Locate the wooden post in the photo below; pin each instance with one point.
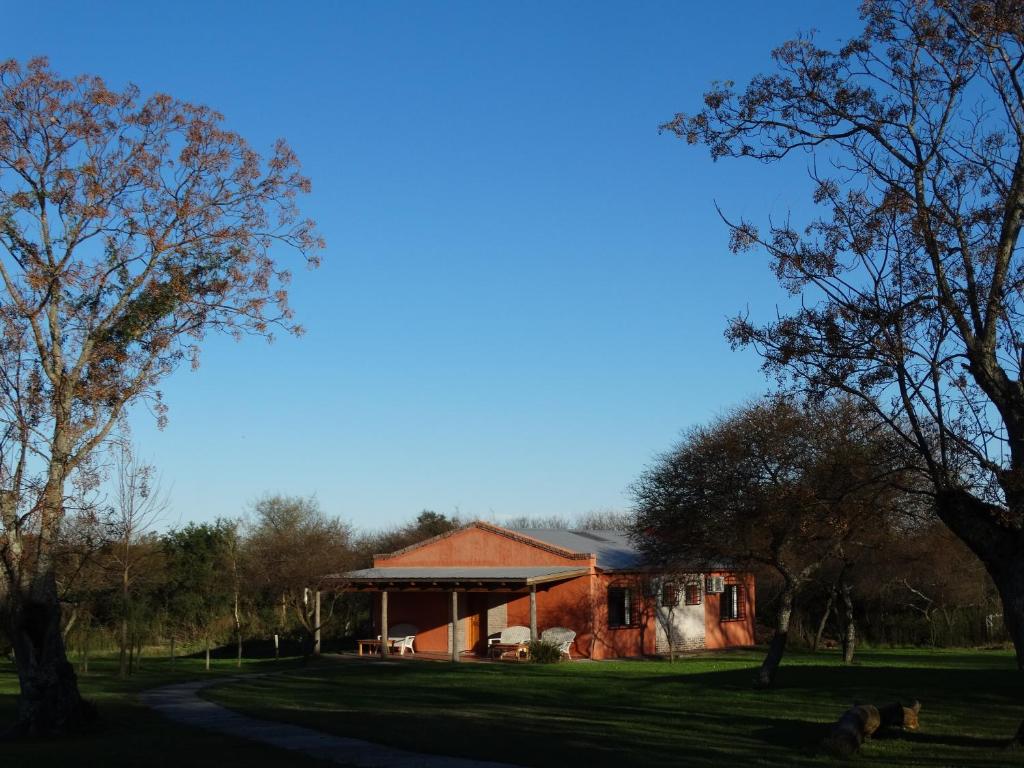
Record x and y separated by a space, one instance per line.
533 613
384 623
316 624
455 625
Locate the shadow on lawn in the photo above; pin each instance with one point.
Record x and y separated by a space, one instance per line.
869 683
606 716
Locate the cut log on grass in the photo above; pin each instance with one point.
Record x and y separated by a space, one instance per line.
861 721
853 726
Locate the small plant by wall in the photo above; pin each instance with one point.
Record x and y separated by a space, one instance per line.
544 653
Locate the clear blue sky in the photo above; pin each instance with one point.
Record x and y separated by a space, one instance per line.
525 287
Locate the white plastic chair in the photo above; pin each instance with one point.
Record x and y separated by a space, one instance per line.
402 637
561 637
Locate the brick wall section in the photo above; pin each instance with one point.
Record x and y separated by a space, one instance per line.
497 614
681 644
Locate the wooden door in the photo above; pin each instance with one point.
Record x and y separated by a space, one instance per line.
476 621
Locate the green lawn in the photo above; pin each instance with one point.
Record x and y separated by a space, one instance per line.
696 712
129 734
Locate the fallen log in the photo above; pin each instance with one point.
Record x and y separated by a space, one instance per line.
862 721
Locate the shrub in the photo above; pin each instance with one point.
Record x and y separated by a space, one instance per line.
544 653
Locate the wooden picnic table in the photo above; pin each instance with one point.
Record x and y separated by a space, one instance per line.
517 651
373 644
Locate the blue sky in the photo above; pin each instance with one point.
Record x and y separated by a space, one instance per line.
525 287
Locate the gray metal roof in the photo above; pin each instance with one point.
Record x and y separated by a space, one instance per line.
525 575
614 550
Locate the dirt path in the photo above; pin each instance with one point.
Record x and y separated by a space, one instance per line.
181 702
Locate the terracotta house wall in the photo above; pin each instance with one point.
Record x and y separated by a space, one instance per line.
474 547
610 643
427 611
724 634
565 604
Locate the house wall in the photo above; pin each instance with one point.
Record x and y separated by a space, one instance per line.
497 614
681 626
564 604
580 604
616 642
427 611
474 547
726 634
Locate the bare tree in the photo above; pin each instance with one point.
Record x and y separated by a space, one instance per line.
139 504
912 278
129 229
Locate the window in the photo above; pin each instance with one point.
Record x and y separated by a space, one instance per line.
693 595
622 608
669 595
733 605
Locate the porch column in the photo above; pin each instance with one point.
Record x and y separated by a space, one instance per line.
455 626
316 624
533 613
384 623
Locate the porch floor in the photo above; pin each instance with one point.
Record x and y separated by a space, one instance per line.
428 656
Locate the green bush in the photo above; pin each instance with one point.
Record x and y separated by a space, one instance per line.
544 653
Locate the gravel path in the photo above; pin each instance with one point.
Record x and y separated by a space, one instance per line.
181 702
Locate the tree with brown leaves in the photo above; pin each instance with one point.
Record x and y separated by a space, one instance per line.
912 278
130 228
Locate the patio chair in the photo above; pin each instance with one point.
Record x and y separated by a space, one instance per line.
402 636
561 637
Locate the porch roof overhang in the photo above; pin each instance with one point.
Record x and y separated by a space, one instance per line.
502 579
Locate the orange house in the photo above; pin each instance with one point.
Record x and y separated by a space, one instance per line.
473 582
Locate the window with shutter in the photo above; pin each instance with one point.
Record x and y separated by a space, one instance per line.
693 594
622 608
733 603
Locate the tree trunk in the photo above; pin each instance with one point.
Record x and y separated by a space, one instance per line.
849 628
172 650
207 654
238 628
124 662
122 645
49 701
671 636
999 547
770 666
824 619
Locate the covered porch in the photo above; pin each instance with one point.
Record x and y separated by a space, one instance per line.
454 610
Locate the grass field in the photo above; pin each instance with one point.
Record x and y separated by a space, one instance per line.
128 734
696 712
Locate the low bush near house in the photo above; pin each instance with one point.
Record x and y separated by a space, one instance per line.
544 653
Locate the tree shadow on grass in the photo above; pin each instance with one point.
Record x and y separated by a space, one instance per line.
800 735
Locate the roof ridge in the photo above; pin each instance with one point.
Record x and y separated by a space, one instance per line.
496 529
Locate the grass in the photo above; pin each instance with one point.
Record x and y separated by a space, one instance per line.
129 734
697 712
